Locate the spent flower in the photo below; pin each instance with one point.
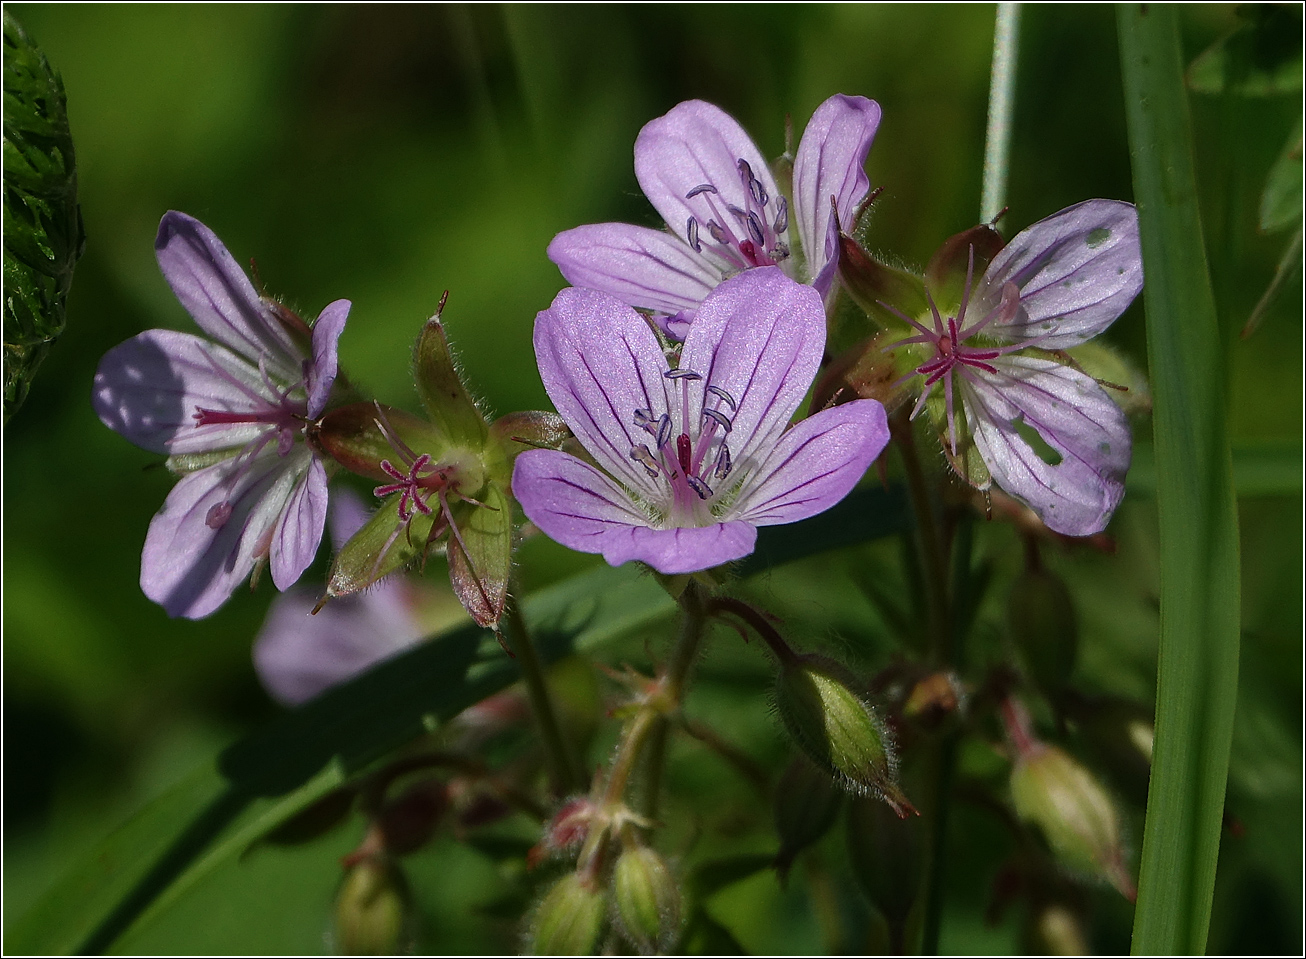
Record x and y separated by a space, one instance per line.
231 412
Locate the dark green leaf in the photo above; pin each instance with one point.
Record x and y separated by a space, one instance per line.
1281 201
1261 57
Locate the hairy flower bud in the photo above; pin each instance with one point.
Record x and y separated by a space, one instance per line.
1043 624
837 728
1073 811
371 914
647 899
569 919
806 804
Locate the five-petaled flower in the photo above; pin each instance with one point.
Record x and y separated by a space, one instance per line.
699 455
1056 285
724 211
231 416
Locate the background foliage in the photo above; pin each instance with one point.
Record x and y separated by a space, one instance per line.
385 154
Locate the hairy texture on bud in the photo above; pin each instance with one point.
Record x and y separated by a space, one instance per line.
647 899
1044 627
568 920
806 805
371 914
1074 813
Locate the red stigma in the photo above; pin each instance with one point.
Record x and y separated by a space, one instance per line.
684 450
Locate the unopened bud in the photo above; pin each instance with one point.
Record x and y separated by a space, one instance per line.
1074 812
647 899
372 915
1044 627
806 804
1054 929
837 728
569 919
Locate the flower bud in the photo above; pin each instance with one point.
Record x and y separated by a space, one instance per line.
1055 929
1074 812
647 899
806 804
837 729
569 919
371 914
873 284
1043 624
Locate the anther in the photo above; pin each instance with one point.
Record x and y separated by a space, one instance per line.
218 515
664 430
745 172
641 455
720 418
781 215
722 463
717 232
682 374
691 231
755 228
723 396
701 188
698 486
644 419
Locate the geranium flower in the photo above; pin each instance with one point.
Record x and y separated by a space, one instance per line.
693 458
1056 285
231 416
723 209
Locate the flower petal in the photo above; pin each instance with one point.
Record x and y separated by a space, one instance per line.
191 568
830 163
149 388
1074 416
217 293
681 549
326 338
759 336
815 464
1077 271
692 145
571 501
299 527
600 362
646 269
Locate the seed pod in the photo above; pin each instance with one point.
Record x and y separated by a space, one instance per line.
1073 811
806 804
647 899
1044 627
569 919
372 915
837 729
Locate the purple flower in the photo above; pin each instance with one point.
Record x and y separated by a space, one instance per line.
697 456
231 416
298 655
724 211
1056 285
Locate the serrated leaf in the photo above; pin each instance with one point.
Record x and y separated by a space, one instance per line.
43 232
1282 199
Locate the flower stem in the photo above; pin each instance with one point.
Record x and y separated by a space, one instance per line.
1002 99
563 774
929 540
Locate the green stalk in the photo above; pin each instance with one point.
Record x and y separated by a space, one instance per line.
1002 102
1197 668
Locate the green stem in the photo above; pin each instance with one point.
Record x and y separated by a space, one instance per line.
934 567
563 774
1002 100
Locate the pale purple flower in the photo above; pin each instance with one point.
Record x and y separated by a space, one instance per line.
231 416
723 209
693 458
1056 285
298 656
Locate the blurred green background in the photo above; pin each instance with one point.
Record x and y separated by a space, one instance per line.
387 153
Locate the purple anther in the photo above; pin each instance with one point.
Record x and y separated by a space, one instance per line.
641 455
758 192
719 417
722 463
755 229
723 396
218 515
644 420
737 213
691 233
701 188
781 215
717 232
664 430
698 486
682 374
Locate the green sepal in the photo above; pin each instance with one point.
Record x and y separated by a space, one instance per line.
516 433
352 437
479 575
441 389
874 285
382 546
945 275
1119 376
373 912
646 898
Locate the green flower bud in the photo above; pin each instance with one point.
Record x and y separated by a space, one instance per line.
1054 929
447 401
1073 811
837 728
647 899
569 919
806 804
372 916
1044 626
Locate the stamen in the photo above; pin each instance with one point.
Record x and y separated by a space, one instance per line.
641 455
218 515
698 486
759 192
745 172
718 234
682 374
781 216
780 252
691 230
701 188
755 229
723 396
722 463
644 419
664 430
720 418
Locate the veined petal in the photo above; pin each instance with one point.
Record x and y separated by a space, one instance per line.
681 549
646 269
299 526
326 338
692 145
191 568
1073 415
815 464
830 163
571 501
1077 271
600 362
217 293
759 336
149 388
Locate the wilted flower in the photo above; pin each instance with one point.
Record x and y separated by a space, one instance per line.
231 416
697 456
1056 285
711 185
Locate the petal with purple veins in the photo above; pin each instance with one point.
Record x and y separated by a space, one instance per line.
326 363
571 501
681 549
299 526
